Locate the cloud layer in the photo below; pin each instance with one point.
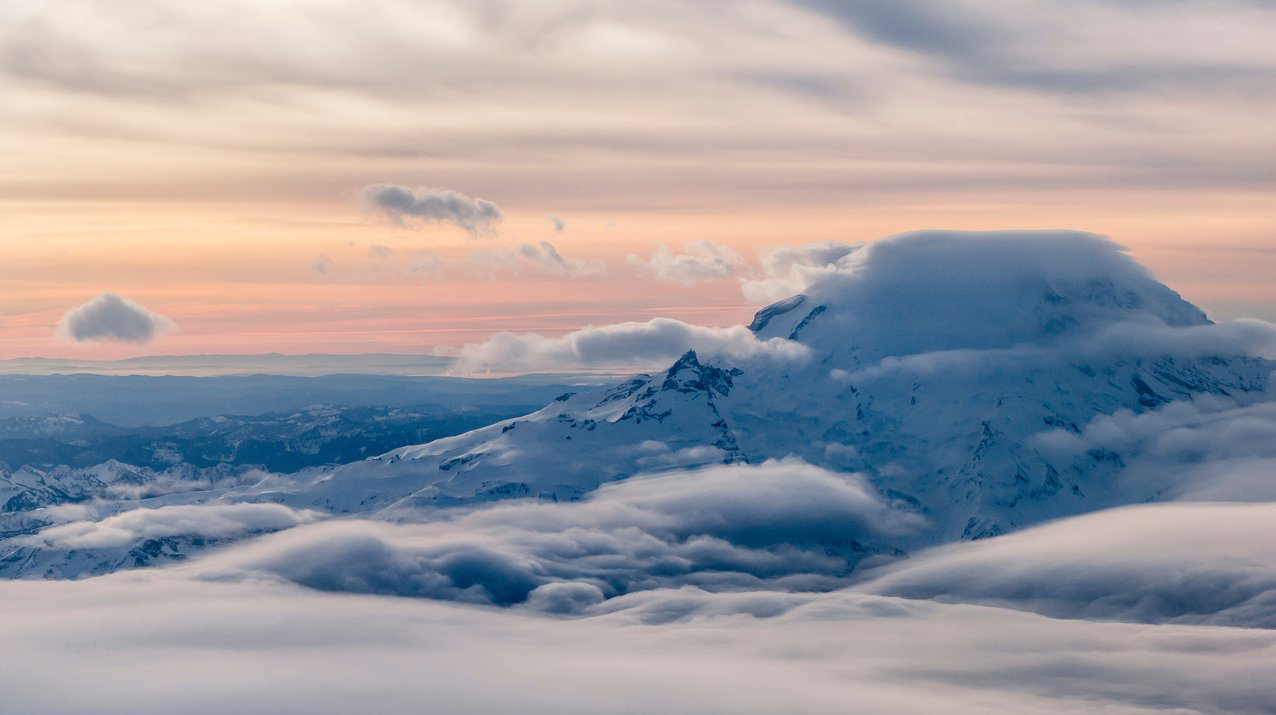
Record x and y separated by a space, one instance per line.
785 524
756 111
743 140
111 318
1208 449
1169 563
679 586
265 647
930 291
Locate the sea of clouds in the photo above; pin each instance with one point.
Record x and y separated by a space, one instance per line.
1176 602
726 589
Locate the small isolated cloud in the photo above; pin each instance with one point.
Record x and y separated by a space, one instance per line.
788 271
379 251
544 255
558 224
111 318
703 261
432 205
626 345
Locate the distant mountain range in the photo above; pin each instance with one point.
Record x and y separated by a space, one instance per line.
252 364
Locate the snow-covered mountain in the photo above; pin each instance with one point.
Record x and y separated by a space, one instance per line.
945 368
930 365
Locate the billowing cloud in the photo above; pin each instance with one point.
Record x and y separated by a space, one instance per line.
948 290
431 205
265 646
656 342
545 256
789 270
784 523
1210 448
211 521
1177 563
747 126
693 577
1116 341
702 261
111 318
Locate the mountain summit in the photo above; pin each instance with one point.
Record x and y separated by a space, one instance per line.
934 362
944 290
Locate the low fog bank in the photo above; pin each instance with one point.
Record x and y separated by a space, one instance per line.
784 527
140 641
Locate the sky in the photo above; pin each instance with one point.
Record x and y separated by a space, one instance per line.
413 177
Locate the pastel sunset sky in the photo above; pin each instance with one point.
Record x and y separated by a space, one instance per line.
232 165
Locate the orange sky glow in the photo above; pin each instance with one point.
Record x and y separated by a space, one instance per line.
209 162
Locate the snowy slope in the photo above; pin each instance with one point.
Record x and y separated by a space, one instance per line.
649 423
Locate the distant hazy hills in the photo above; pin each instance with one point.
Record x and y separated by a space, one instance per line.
264 364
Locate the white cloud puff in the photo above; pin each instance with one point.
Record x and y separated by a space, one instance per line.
789 270
112 318
702 261
622 345
401 204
